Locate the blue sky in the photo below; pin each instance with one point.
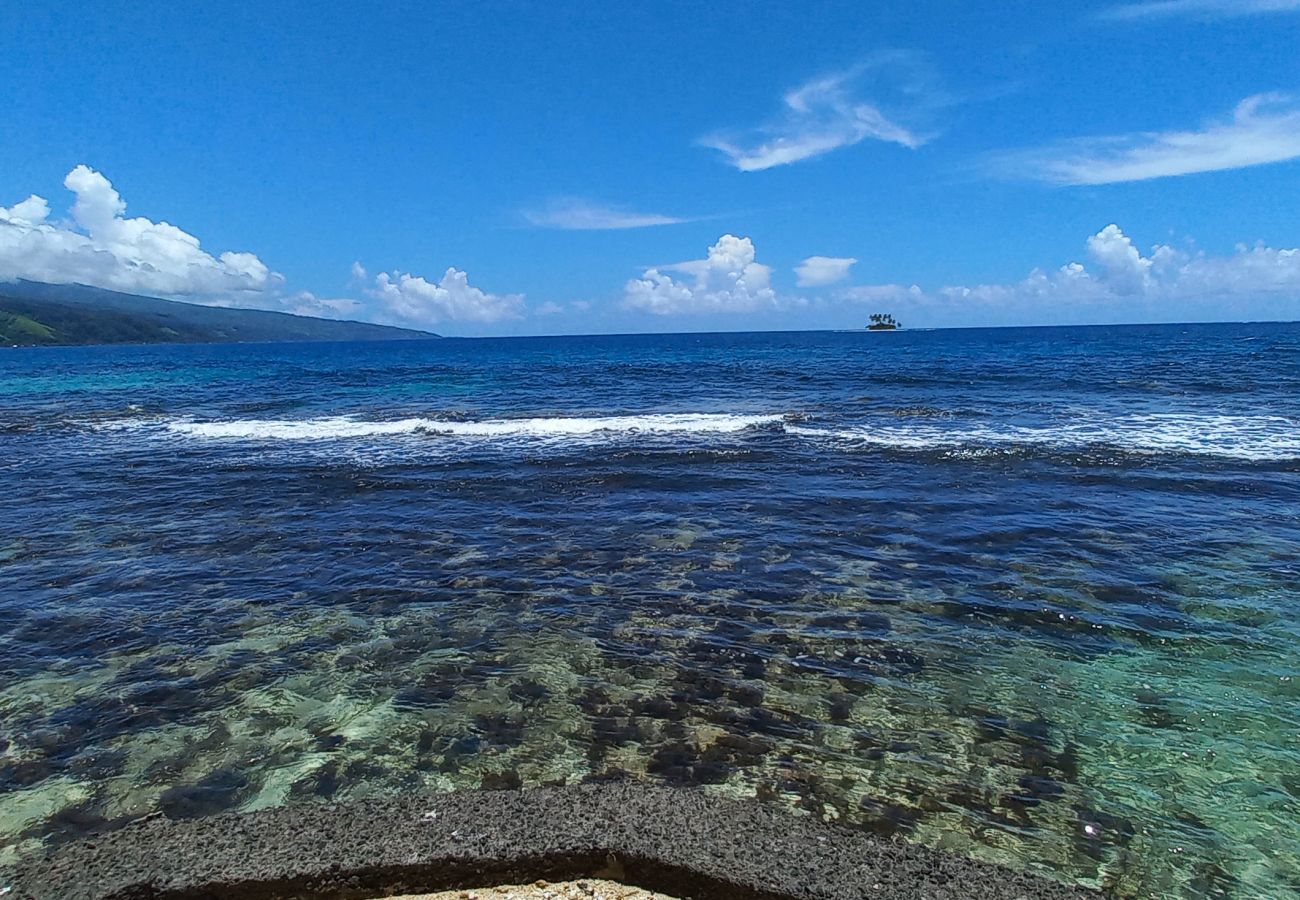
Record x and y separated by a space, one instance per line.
661 166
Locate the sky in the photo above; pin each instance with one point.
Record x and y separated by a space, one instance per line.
500 168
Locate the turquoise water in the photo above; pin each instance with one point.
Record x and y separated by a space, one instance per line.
1025 594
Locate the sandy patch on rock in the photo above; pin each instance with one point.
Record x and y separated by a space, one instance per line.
585 889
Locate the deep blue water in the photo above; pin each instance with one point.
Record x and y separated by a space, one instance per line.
1028 594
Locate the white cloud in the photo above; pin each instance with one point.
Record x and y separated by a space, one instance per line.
101 247
816 271
305 303
412 299
552 308
1124 269
574 214
824 115
1123 276
30 212
728 280
880 293
1263 129
1168 9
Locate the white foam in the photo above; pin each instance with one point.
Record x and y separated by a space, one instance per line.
331 428
337 427
1260 438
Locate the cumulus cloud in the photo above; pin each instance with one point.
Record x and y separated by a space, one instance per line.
574 214
1122 266
98 245
825 114
1169 9
412 299
1262 129
1121 274
30 212
727 280
817 271
101 247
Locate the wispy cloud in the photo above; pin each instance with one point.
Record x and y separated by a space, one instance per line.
576 214
1168 9
1262 129
827 114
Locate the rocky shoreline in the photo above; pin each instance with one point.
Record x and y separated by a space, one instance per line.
679 841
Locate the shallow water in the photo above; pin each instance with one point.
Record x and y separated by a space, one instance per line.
1027 594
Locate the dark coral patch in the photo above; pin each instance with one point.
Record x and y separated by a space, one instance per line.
502 729
502 781
219 790
529 691
887 818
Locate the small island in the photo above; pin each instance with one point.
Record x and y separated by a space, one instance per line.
883 322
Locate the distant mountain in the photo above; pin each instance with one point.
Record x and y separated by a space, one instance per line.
33 314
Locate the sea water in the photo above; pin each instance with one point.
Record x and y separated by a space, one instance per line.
1031 595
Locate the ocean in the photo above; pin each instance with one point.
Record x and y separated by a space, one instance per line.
1029 595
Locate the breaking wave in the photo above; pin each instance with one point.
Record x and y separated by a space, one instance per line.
1259 438
1256 438
539 428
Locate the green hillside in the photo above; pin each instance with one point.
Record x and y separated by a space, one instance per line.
33 314
19 329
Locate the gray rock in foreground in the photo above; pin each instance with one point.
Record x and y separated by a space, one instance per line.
675 840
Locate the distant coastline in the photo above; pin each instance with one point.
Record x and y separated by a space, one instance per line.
35 314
